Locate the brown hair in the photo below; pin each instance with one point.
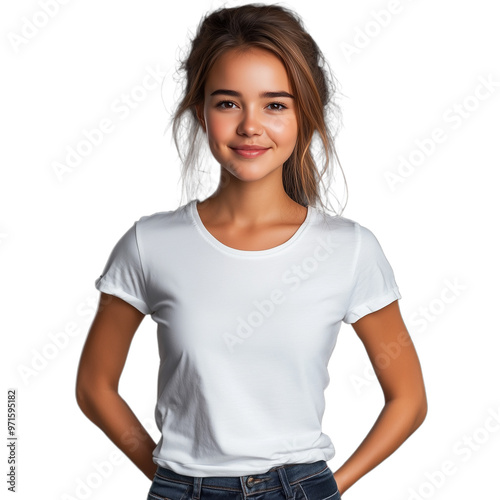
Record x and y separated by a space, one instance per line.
281 31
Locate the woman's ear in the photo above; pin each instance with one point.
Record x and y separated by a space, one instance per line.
200 115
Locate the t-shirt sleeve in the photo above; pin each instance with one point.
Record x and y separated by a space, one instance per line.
373 285
123 274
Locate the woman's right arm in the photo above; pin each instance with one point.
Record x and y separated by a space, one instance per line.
101 364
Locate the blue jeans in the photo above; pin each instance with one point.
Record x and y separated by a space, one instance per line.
312 481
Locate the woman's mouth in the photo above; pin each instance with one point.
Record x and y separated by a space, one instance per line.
250 153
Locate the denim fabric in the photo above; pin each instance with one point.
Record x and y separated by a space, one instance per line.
312 481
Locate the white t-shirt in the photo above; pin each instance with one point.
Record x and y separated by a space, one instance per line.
245 336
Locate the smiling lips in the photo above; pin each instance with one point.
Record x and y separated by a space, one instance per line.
250 151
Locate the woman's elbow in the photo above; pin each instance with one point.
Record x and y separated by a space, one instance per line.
89 391
420 412
83 395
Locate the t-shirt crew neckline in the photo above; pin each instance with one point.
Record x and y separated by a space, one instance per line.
246 253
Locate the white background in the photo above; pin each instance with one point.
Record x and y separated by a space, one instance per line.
418 67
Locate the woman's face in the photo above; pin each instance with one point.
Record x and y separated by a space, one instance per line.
249 102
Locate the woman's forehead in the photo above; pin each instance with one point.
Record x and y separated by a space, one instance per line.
254 70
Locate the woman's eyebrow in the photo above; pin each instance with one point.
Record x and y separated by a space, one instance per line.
267 95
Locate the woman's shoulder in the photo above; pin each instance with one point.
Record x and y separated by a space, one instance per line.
336 221
342 226
163 218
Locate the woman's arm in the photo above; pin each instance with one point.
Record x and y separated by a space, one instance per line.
394 359
99 371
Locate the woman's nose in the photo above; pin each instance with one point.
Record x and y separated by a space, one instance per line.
250 123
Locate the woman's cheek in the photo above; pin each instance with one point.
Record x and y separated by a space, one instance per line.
284 128
214 124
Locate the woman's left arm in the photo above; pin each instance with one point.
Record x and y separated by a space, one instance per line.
396 365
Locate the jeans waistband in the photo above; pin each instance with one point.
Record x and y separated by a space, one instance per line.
276 477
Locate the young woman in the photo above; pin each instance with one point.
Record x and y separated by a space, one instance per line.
249 287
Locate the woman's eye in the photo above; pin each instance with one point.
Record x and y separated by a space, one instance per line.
277 104
221 104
